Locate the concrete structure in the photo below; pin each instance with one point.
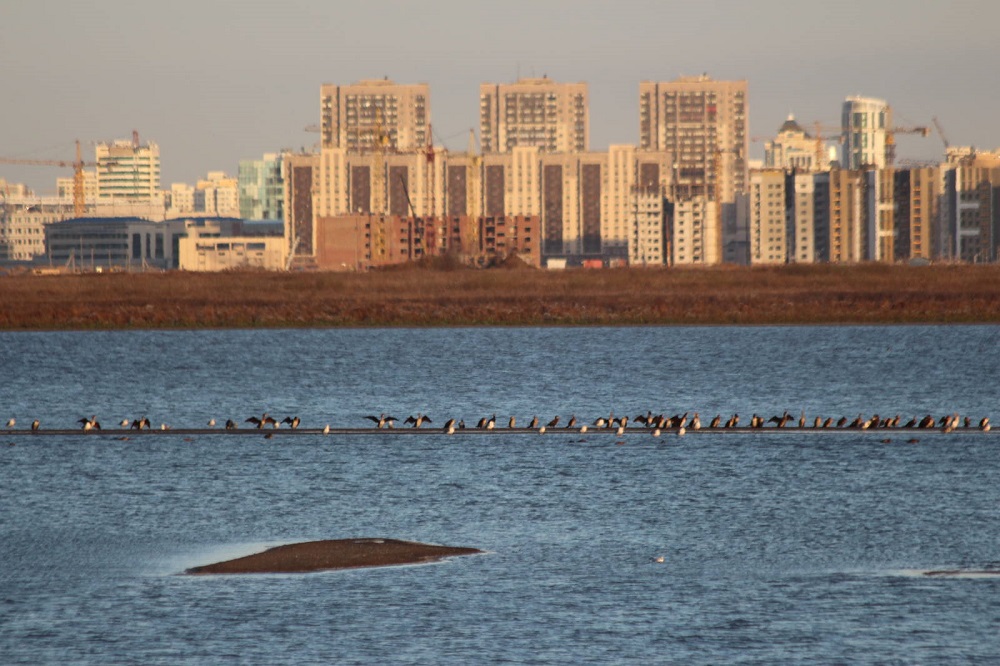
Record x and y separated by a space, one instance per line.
768 222
703 124
22 225
360 242
535 113
217 195
971 227
917 195
127 171
879 230
793 148
844 217
262 188
586 201
301 183
692 229
864 121
352 116
130 243
803 194
64 188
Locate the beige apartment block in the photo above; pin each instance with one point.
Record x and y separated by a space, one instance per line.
803 218
970 185
845 219
127 171
703 123
534 112
917 194
693 230
64 187
768 223
880 206
217 195
363 115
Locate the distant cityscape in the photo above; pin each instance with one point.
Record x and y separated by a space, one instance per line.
375 190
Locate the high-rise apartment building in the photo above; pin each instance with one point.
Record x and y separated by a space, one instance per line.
127 170
534 112
917 193
357 117
864 121
703 123
768 222
262 188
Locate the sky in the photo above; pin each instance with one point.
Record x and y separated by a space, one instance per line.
216 81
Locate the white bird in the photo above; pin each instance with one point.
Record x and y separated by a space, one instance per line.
211 423
10 423
583 428
326 429
124 423
35 425
541 431
681 431
656 432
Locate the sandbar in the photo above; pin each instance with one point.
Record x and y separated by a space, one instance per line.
334 554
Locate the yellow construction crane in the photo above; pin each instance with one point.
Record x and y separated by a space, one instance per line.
79 207
891 130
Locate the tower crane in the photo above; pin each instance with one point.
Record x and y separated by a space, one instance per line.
891 130
78 165
940 131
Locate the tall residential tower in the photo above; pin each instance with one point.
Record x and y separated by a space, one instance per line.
535 113
703 123
352 116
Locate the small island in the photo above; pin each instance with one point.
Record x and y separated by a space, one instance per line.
334 554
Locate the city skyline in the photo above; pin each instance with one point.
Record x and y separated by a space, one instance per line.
231 98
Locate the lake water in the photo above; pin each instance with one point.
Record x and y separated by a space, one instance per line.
778 548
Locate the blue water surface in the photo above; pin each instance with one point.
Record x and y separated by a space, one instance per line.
778 548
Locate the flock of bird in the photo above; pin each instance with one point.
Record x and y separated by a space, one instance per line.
679 423
687 421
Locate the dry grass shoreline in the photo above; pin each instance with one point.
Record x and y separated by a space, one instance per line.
421 297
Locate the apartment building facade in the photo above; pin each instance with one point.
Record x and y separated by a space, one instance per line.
534 113
361 116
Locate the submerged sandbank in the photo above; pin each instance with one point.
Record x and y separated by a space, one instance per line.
334 554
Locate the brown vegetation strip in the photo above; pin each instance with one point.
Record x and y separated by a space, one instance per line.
825 294
334 554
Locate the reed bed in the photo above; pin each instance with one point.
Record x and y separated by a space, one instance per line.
420 296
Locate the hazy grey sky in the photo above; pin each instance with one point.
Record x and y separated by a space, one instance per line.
216 81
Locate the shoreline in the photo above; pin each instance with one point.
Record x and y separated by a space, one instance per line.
413 297
334 554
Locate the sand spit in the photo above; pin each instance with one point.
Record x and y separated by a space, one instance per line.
334 554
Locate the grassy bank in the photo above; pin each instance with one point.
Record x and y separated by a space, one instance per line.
424 297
